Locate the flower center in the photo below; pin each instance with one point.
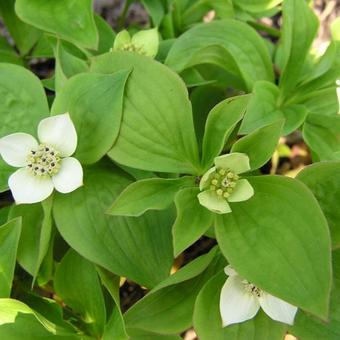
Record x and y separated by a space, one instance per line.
252 289
133 48
223 182
45 161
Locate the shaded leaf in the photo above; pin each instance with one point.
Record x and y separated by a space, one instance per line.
76 282
9 239
192 220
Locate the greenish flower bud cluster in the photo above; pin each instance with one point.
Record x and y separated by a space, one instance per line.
45 161
252 289
130 47
223 182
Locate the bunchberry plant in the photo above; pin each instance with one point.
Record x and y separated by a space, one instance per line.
176 172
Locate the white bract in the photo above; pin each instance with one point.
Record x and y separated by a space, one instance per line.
222 183
240 300
45 165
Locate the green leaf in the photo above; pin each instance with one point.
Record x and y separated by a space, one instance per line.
9 239
324 73
215 56
322 134
8 53
195 11
115 327
43 48
157 131
203 99
246 51
208 323
298 20
168 308
4 214
221 122
138 334
193 78
322 102
18 321
257 6
25 36
5 172
153 193
281 226
94 102
76 282
224 9
155 9
66 65
260 144
192 220
47 308
264 109
23 105
35 235
309 327
324 181
69 20
322 66
106 34
115 243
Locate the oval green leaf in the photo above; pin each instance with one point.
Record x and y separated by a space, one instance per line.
247 51
69 20
260 144
157 131
221 122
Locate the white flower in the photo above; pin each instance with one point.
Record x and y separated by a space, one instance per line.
43 166
241 300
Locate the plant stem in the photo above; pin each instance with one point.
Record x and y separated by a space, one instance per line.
262 27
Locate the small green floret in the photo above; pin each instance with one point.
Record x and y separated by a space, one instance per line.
222 183
144 42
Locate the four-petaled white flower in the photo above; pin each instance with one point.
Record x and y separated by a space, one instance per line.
43 166
222 183
241 300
